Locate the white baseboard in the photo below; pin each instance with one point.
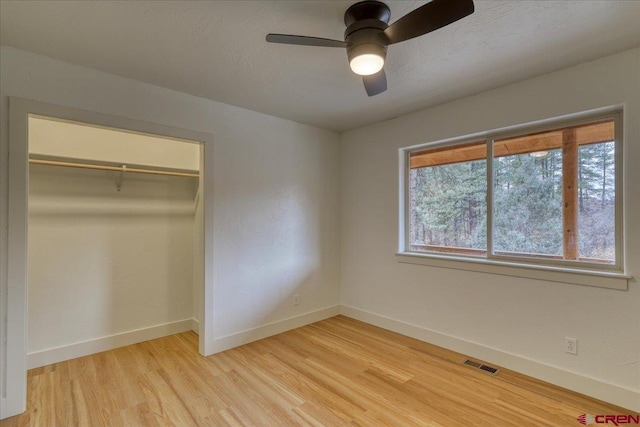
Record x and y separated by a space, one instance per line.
589 386
71 351
9 409
254 334
96 345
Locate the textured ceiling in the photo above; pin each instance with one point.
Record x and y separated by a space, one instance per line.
216 50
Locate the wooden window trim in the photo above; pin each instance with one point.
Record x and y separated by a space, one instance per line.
570 194
588 133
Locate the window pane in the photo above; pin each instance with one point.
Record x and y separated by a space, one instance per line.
596 192
447 200
532 215
528 204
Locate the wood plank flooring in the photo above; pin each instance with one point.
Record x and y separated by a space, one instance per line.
338 372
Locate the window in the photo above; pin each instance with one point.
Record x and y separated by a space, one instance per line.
544 196
448 199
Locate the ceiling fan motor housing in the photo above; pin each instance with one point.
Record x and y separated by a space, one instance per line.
366 22
368 9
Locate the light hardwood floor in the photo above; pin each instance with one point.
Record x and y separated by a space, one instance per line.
332 373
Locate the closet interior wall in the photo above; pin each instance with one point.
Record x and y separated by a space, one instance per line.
108 266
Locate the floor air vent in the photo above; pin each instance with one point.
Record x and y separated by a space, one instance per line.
490 369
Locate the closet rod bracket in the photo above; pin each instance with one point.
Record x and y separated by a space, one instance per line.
123 169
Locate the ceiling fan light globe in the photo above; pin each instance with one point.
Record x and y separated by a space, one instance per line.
366 59
366 64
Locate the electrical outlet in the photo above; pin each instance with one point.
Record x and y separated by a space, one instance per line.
296 299
570 345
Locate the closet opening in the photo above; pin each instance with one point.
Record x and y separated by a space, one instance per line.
85 225
115 246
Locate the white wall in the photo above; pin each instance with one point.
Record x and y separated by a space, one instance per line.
491 315
104 262
276 191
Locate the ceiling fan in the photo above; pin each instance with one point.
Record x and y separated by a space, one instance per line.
368 34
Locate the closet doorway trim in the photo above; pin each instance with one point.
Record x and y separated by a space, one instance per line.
14 398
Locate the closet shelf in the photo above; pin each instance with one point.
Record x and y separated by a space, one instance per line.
122 168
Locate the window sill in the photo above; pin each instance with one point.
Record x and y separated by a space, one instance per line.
600 279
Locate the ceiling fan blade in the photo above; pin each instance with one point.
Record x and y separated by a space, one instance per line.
375 83
433 15
304 40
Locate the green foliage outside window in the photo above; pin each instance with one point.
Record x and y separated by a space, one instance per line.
447 206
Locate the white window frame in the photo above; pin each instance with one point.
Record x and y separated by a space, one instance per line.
611 276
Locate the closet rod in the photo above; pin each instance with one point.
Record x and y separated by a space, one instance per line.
111 168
